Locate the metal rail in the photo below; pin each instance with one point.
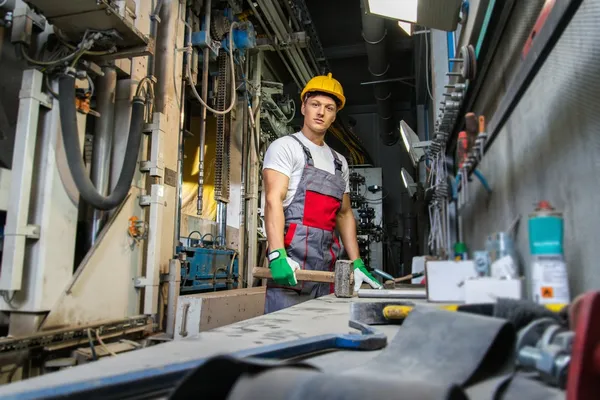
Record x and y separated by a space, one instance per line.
74 336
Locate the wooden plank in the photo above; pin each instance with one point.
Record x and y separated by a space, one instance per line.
205 311
301 275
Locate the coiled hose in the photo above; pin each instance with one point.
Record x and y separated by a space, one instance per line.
68 121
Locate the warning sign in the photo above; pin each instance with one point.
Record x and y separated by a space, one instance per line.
547 292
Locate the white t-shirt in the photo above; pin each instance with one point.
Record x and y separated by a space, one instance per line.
285 155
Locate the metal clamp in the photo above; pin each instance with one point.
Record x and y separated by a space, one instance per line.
545 346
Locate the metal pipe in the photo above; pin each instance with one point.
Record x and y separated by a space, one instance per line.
275 45
388 80
205 66
289 31
245 130
103 137
281 32
221 223
154 17
374 34
180 145
173 296
165 60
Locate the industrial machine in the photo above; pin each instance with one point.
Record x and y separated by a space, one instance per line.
205 267
137 122
366 197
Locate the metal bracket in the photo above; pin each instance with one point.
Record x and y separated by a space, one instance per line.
24 20
156 165
422 145
145 200
32 231
141 282
40 97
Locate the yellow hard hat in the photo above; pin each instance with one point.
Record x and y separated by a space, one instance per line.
325 84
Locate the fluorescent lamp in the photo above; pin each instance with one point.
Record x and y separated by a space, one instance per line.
405 10
404 178
432 14
406 27
409 183
414 147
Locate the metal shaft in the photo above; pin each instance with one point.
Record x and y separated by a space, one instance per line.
103 138
205 61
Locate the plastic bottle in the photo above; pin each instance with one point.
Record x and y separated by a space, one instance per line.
549 280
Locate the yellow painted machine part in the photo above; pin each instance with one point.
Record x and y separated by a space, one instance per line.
190 170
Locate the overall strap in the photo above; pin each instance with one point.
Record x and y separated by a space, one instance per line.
336 161
307 155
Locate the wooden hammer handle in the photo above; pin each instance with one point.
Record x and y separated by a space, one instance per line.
301 275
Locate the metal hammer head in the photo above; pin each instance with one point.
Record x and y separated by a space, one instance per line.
344 278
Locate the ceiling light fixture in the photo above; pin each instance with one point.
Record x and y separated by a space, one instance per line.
413 145
434 14
406 27
409 183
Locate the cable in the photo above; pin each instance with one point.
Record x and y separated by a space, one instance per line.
189 238
483 181
91 342
87 190
427 67
233 92
104 346
46 63
205 235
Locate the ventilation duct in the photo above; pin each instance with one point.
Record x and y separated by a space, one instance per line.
374 33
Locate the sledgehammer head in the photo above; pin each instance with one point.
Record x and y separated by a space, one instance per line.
344 279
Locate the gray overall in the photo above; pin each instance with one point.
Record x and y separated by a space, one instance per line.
309 236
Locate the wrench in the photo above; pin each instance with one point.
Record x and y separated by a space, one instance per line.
368 339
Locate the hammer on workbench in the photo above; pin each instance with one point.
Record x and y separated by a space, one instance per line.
342 278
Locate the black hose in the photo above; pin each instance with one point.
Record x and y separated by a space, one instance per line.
68 121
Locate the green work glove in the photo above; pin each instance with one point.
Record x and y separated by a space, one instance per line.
362 275
283 268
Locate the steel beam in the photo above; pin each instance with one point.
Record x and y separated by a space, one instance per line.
31 98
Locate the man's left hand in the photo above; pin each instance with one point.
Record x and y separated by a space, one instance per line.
362 275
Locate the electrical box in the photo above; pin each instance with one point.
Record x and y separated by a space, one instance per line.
74 18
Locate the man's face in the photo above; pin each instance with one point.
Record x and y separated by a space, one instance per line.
319 113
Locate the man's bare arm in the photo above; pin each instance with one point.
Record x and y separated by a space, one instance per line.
276 186
346 225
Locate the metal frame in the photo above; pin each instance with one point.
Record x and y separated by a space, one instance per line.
17 229
74 336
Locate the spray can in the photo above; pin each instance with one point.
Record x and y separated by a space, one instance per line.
549 280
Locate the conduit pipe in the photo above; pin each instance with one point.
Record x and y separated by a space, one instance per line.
374 33
68 121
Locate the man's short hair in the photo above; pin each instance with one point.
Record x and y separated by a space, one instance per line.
308 95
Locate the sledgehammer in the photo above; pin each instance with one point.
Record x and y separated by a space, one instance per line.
342 278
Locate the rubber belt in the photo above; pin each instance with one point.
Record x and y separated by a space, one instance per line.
434 355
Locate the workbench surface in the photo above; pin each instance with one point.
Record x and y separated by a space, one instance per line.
315 317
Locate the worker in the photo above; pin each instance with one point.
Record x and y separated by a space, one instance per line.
307 200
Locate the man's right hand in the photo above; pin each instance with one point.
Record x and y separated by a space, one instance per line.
283 268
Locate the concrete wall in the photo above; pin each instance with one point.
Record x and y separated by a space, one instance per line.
549 150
